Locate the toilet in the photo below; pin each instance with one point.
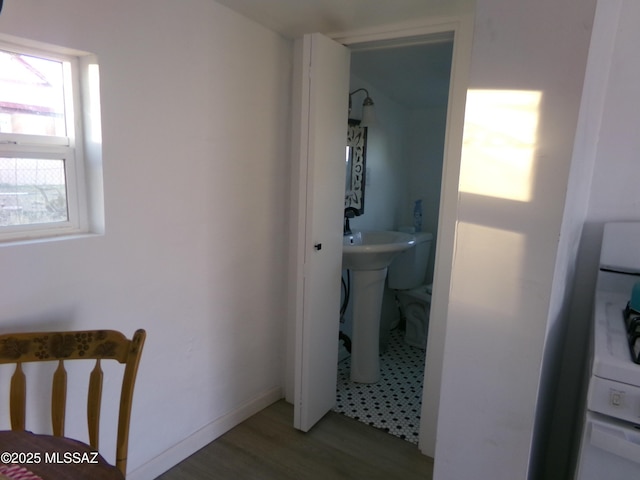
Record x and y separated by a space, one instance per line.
407 276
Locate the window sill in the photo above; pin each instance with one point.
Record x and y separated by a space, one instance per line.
51 238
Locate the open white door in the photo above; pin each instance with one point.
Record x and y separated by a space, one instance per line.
321 83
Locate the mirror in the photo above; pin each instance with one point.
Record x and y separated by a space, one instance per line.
356 153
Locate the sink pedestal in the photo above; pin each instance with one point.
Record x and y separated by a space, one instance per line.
368 288
367 255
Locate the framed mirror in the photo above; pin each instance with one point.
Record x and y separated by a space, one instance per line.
356 158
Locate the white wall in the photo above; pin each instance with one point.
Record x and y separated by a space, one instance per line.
195 118
606 161
425 146
527 70
615 166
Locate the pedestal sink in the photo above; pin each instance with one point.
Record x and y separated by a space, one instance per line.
367 255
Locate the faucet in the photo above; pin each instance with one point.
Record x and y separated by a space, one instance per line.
349 212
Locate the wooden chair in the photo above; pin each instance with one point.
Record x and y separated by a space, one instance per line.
95 345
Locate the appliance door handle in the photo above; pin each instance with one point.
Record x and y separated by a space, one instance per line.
616 441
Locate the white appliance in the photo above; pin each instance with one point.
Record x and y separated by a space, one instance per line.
610 442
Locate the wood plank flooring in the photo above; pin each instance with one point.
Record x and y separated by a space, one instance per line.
267 447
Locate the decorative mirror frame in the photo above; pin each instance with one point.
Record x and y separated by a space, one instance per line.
357 141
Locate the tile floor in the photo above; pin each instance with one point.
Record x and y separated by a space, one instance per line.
392 404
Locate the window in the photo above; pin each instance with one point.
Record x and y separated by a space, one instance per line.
42 189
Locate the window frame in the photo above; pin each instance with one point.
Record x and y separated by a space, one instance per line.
68 149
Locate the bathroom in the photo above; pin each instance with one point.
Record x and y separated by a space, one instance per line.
409 84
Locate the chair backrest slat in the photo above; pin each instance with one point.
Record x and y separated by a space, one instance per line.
59 399
98 345
93 404
18 398
126 398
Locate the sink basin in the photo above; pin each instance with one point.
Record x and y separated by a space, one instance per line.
373 250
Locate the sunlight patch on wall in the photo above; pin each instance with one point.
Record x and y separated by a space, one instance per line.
499 144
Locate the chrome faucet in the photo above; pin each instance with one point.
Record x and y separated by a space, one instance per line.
349 212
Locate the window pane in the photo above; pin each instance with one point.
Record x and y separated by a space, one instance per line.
31 95
32 191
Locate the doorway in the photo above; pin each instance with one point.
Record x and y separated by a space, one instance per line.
409 81
301 367
462 28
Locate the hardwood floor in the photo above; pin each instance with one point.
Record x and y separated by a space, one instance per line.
266 447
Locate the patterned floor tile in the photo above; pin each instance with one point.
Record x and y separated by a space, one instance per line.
393 404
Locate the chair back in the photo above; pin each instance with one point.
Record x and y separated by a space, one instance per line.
96 345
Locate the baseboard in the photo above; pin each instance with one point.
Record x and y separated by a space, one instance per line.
183 449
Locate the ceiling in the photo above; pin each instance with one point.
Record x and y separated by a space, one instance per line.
415 76
293 18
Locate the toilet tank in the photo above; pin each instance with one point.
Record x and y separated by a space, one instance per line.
409 269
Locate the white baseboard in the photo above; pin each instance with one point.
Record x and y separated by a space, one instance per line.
183 449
